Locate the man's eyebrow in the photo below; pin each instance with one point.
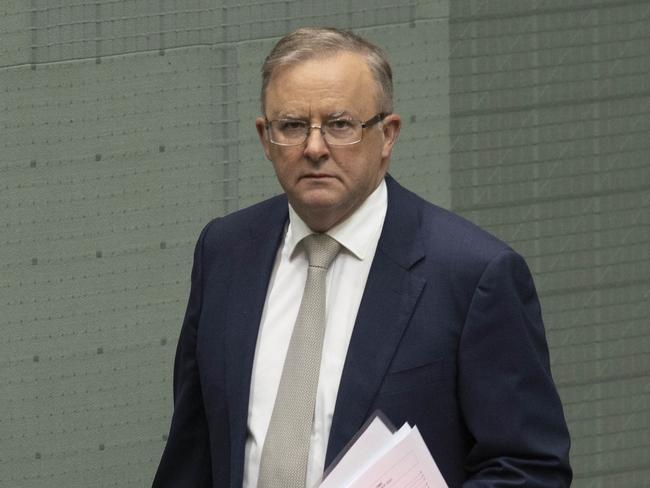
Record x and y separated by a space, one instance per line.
339 114
289 115
295 116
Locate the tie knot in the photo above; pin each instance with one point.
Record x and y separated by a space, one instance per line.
321 250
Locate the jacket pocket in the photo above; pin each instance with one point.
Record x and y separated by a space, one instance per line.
412 378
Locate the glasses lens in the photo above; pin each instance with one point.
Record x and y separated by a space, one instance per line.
288 131
342 131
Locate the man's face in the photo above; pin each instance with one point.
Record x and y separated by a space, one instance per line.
325 184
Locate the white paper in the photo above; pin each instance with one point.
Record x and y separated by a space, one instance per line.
381 458
372 442
408 464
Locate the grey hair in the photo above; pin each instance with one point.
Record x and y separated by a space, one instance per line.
311 42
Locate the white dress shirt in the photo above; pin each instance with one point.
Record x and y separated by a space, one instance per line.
346 281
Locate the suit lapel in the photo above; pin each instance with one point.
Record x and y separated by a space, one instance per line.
252 269
391 293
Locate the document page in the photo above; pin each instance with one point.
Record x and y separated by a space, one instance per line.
407 465
374 441
379 457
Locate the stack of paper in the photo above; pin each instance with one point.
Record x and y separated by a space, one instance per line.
381 458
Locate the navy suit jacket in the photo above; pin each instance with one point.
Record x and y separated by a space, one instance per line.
448 337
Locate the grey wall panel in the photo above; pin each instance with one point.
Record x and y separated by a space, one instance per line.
256 177
550 112
419 54
15 34
110 171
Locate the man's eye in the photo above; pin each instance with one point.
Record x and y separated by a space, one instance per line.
340 124
292 125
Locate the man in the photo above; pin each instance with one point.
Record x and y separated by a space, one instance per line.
424 316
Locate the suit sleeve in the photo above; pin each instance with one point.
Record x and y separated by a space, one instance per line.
507 394
186 458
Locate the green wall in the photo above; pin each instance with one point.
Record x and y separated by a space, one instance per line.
128 124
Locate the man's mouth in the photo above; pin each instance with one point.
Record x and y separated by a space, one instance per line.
317 175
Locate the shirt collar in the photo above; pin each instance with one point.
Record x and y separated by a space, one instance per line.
358 233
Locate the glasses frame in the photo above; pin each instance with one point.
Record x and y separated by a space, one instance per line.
368 123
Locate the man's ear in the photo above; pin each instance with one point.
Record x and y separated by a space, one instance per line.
391 126
260 125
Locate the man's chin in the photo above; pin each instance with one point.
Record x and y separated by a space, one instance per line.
320 207
319 203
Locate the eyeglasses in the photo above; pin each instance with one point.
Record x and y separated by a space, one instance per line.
335 132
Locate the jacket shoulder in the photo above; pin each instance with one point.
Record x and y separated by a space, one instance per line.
443 232
247 222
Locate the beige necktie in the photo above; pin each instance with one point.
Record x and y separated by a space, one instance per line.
286 449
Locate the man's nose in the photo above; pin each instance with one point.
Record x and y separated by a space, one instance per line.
315 147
